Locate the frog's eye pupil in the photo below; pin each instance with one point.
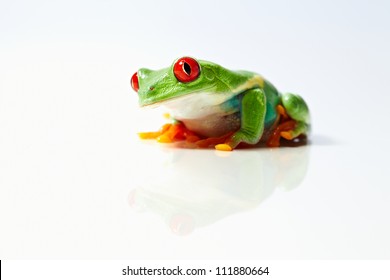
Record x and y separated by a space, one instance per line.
186 69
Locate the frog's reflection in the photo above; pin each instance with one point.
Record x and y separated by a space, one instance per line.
198 188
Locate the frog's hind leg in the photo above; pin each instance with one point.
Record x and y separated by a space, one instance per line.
293 120
297 109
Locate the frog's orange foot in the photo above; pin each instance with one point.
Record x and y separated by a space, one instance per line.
149 135
287 135
282 130
155 134
171 133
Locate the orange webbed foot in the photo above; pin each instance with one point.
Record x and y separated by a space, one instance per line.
154 134
287 135
170 133
282 130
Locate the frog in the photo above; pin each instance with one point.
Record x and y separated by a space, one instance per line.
211 106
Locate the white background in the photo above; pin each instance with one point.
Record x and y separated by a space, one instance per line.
76 183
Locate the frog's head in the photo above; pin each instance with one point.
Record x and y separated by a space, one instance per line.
185 76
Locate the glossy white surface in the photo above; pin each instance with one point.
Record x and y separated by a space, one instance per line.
75 182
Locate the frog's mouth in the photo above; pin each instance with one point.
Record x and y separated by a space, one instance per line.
201 97
153 103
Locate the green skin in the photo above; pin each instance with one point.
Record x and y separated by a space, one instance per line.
220 101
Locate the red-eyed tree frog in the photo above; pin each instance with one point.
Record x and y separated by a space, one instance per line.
213 106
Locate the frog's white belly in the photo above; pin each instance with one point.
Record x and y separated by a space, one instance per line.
197 105
203 113
214 125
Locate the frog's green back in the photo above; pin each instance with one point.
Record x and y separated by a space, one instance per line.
223 79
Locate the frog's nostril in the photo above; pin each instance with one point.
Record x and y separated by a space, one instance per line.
134 82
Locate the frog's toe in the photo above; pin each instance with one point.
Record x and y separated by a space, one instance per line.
287 134
164 139
149 135
223 147
297 130
280 109
154 134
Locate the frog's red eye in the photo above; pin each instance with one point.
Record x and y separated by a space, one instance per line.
186 69
134 82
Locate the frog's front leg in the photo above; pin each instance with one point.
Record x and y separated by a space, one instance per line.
253 109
